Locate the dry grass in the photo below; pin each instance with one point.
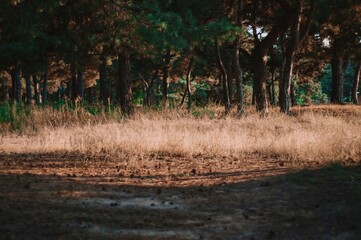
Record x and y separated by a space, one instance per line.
321 134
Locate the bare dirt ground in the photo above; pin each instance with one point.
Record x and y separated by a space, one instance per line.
72 196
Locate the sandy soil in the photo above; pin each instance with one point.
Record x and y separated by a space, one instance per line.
73 196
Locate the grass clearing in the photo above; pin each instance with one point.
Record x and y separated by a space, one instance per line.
317 134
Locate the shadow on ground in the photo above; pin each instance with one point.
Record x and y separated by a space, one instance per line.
322 203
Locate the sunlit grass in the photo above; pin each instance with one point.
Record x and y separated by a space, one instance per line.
313 134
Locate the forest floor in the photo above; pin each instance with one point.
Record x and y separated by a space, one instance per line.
74 196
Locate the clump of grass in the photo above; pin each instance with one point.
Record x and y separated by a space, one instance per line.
308 136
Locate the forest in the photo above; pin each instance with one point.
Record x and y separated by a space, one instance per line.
151 53
180 119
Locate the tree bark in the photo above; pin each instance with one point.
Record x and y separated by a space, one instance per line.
28 88
259 84
149 91
166 69
292 45
356 82
282 68
239 77
36 89
236 60
16 84
4 90
125 88
103 79
226 98
188 91
293 94
337 78
273 91
339 63
73 82
80 84
45 82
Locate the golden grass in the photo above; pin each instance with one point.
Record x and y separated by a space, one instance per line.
311 134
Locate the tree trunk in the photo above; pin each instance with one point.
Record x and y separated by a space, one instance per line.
4 90
292 45
73 82
89 94
28 88
188 91
337 79
356 82
236 62
125 88
103 79
229 79
45 82
16 84
273 80
239 77
281 75
80 84
259 84
260 53
226 98
293 94
36 89
149 91
166 69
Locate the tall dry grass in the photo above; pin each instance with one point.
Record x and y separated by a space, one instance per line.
314 134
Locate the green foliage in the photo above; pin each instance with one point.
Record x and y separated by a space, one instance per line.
15 114
310 93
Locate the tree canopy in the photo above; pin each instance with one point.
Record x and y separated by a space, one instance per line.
150 52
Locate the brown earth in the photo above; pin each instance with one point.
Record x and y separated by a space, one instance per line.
73 196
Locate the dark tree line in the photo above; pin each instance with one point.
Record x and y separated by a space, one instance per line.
103 50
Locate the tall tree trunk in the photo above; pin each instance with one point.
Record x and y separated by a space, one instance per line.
292 45
339 64
260 53
125 88
73 82
281 97
89 94
4 90
259 84
149 91
80 84
188 91
166 69
28 88
293 94
239 76
45 82
229 79
273 92
16 84
236 60
226 98
337 78
356 82
103 79
36 89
